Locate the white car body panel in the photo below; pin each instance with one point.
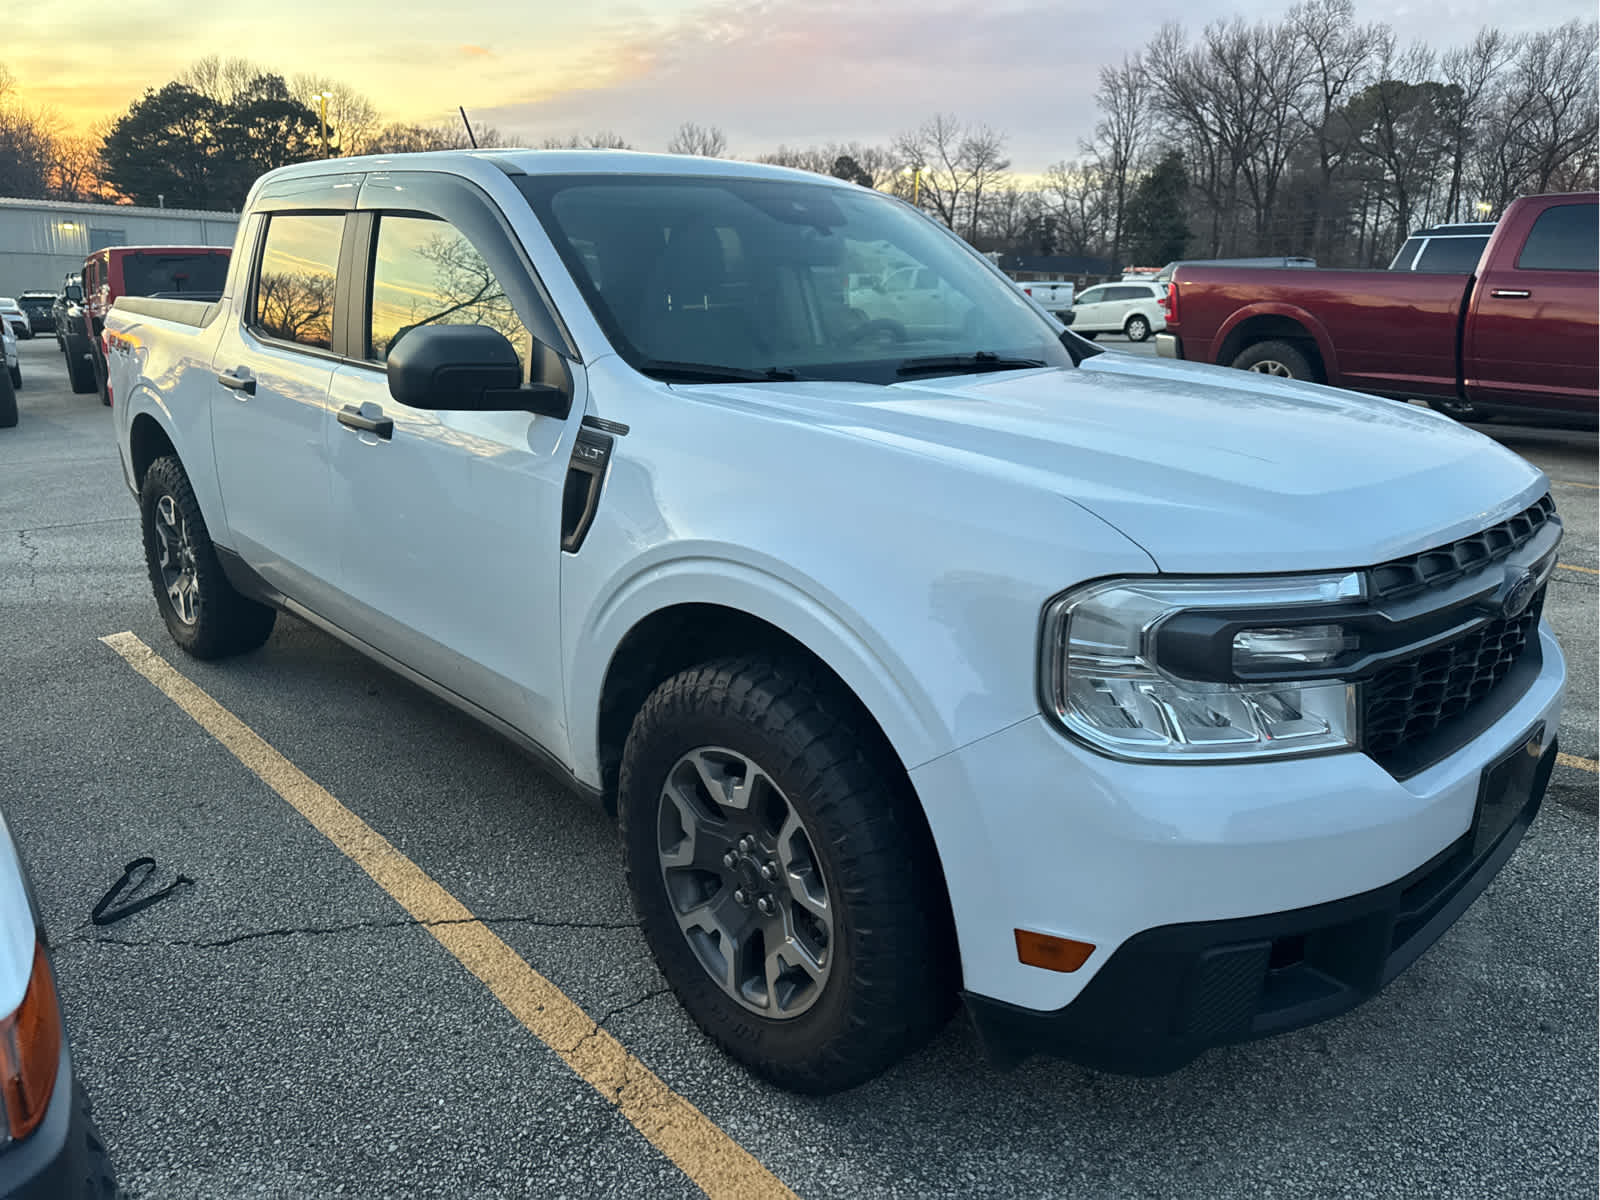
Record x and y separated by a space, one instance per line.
13 316
909 536
1090 314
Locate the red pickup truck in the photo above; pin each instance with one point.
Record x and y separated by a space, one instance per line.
183 272
1518 335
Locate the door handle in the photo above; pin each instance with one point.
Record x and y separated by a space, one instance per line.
239 380
352 417
1510 294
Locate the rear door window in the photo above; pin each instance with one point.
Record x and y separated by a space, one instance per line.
294 291
1407 255
1564 238
1452 255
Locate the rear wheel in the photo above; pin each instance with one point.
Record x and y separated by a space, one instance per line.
1275 358
202 611
80 371
1137 328
781 874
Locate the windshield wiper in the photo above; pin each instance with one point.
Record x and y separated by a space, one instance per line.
963 364
689 372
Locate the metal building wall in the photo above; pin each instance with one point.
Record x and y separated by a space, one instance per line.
42 241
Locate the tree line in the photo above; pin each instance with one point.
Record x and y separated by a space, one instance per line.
1311 133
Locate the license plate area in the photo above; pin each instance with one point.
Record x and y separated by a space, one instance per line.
1504 790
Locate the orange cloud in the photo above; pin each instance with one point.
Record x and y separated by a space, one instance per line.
476 51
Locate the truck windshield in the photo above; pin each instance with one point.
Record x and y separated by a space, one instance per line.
174 274
778 279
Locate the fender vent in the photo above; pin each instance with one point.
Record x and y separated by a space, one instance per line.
581 496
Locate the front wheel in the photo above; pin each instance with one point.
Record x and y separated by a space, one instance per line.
1275 358
784 880
80 371
202 611
1137 328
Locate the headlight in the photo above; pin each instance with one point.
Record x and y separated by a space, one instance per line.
1105 684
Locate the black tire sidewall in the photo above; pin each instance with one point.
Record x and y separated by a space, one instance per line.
1137 323
1290 356
799 1038
8 401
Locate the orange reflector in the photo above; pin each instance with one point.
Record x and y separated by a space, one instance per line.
30 1050
1051 953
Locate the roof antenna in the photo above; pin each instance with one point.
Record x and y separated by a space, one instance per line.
471 137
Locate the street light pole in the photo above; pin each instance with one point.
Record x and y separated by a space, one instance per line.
322 112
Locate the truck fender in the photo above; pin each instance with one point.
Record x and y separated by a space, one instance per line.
883 683
145 404
1273 308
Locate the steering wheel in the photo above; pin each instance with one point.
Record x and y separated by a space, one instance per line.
880 327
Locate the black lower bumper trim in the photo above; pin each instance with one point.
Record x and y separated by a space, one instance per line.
1170 993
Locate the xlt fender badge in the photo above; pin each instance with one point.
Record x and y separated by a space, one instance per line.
586 474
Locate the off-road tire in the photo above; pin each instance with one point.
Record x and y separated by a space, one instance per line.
80 371
8 402
892 977
226 622
1291 357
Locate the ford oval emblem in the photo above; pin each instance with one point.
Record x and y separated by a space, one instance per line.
1518 594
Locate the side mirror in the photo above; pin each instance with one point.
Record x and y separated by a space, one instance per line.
74 293
466 368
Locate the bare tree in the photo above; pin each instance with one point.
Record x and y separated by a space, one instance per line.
604 139
29 147
955 165
704 141
1550 106
1472 74
353 121
225 80
1119 135
1074 195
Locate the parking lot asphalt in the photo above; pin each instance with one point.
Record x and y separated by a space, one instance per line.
284 1028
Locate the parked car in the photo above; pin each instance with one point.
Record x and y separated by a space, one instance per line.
1125 698
71 294
10 378
13 360
1133 309
913 298
38 307
192 272
1519 336
51 1149
14 318
1053 295
1444 249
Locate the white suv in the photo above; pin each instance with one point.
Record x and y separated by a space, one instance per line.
1133 309
1146 705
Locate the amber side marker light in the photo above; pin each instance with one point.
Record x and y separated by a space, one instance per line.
30 1051
1051 953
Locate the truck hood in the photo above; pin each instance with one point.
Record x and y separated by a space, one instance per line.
1206 468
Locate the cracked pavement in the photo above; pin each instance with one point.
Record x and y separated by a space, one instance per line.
284 1029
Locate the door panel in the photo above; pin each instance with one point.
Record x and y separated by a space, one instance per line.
1531 336
270 436
450 528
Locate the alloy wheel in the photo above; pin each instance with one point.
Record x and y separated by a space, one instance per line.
176 561
1271 366
744 882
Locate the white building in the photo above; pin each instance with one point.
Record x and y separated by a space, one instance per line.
43 240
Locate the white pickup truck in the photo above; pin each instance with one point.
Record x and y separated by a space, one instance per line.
1144 705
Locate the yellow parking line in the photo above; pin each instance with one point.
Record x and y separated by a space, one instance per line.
1574 483
1583 764
717 1164
1576 567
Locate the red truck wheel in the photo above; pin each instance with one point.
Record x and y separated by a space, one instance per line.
1275 358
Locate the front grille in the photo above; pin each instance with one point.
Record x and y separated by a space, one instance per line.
1414 697
1435 568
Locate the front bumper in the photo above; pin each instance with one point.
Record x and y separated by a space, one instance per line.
1168 345
1168 994
1036 832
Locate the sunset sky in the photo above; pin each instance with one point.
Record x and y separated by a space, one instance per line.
766 71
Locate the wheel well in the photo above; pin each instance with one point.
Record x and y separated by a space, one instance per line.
1272 328
147 441
673 639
